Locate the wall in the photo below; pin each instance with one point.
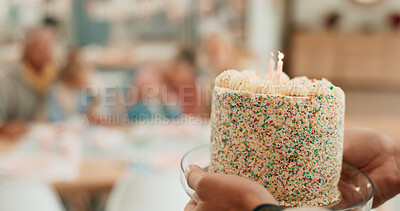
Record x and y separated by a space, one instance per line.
88 31
310 13
264 28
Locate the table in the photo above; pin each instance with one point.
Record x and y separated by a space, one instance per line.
96 177
146 152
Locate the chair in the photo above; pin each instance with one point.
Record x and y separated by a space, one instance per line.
148 191
21 195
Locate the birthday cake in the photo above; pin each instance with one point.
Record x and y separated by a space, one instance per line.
285 134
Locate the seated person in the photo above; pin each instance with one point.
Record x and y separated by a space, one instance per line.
150 96
23 90
182 80
69 97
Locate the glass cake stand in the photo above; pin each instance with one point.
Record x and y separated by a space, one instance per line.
356 188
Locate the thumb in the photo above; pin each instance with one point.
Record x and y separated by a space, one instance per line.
193 175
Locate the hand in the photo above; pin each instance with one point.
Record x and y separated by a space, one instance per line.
225 192
378 156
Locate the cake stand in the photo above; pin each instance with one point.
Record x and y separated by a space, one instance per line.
356 188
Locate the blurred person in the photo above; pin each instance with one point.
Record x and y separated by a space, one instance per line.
69 97
219 52
23 90
152 98
239 6
182 79
75 55
374 153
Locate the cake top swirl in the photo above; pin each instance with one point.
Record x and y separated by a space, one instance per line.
284 78
243 82
225 77
263 87
319 89
249 81
294 88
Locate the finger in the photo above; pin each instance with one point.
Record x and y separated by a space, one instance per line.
194 175
361 146
191 205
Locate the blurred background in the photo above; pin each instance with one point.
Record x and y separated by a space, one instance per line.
100 99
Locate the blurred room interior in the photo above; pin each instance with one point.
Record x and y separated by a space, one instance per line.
109 159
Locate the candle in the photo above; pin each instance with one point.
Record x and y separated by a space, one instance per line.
280 67
271 67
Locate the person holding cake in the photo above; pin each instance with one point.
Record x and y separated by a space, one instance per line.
372 152
284 134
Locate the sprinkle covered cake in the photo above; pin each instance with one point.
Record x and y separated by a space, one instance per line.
285 134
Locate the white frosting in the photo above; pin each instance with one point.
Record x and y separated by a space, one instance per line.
326 83
242 82
294 88
284 78
319 90
248 80
263 87
303 79
338 92
224 78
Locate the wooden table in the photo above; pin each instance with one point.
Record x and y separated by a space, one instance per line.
96 178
